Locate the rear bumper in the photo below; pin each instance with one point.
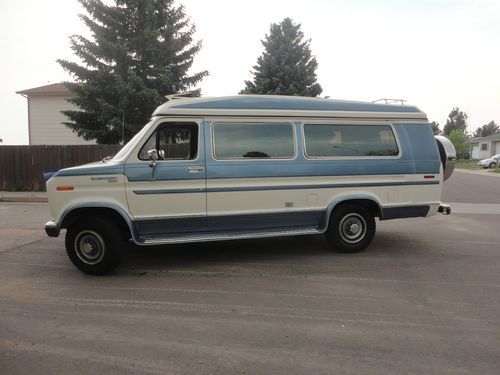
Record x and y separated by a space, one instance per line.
51 229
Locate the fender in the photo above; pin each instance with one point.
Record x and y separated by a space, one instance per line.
111 206
324 222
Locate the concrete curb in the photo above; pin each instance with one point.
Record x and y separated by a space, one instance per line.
23 196
485 172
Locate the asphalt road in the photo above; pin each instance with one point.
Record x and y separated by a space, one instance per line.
423 299
472 188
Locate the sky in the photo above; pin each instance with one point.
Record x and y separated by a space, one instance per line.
435 54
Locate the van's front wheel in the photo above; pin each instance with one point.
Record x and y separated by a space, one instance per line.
351 228
94 245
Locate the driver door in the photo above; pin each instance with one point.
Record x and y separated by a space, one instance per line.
169 196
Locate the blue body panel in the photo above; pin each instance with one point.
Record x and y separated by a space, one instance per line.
420 147
228 223
420 157
93 169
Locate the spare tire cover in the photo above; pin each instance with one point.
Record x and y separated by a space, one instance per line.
447 154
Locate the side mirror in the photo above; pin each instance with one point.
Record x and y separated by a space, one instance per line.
153 155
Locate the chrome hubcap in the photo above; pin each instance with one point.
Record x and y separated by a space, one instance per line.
352 228
89 247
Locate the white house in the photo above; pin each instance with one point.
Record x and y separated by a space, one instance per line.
45 120
485 147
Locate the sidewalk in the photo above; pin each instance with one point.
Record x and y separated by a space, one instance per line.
23 196
482 172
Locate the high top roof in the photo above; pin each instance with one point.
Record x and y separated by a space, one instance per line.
279 106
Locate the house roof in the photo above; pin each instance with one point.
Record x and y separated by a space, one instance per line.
489 138
276 103
54 88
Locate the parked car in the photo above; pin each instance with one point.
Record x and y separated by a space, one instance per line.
492 162
249 167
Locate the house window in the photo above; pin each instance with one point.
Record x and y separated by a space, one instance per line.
484 147
253 141
328 140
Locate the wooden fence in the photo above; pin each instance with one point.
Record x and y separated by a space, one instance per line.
21 167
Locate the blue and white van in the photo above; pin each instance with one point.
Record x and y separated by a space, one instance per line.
209 169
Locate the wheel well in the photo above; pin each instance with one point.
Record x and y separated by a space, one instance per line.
108 213
368 203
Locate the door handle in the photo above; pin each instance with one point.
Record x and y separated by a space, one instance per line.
195 169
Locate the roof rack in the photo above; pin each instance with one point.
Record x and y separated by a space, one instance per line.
180 95
390 101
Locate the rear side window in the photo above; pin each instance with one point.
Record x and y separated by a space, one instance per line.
253 141
175 141
328 140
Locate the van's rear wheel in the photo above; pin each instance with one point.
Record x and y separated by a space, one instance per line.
351 228
94 245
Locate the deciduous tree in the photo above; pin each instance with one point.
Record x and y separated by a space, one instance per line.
488 129
435 128
457 120
459 140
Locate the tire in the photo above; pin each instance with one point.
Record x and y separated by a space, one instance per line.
94 245
351 228
492 165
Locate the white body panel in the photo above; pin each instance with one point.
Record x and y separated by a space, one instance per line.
149 206
104 190
260 201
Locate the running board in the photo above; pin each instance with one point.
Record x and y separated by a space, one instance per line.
206 237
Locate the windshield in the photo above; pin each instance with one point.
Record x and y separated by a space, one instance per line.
130 144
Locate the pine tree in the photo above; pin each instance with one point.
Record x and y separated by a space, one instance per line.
140 51
286 66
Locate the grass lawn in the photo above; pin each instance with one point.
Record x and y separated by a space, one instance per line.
496 170
466 164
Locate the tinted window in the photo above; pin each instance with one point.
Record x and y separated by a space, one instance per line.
349 140
232 140
178 141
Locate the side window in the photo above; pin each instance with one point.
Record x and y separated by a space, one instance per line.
253 140
484 147
328 140
178 141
